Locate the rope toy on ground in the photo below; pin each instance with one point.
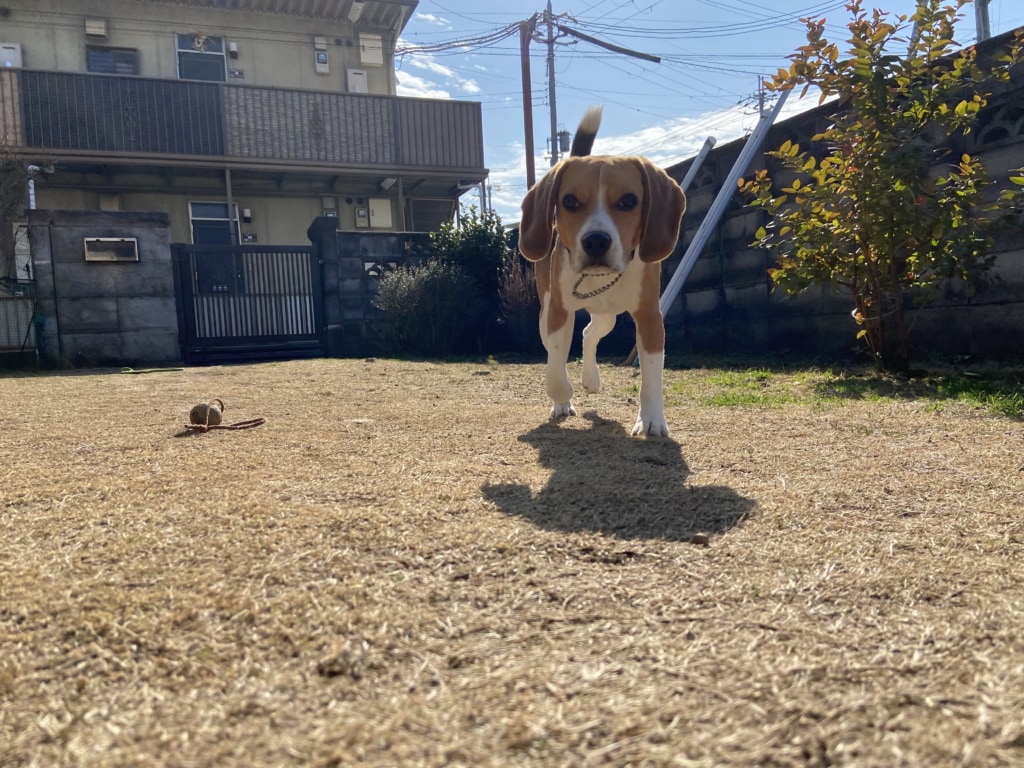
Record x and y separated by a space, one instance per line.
206 416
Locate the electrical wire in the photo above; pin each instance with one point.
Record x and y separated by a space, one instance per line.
480 41
683 75
690 31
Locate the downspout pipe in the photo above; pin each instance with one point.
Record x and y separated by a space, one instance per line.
714 214
691 173
56 299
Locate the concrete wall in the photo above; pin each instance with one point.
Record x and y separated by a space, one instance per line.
349 286
104 313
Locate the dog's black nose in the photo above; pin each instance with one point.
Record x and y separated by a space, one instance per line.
596 244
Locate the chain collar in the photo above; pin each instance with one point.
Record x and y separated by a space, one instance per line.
556 242
597 291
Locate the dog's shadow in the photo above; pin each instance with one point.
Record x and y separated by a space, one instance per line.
606 481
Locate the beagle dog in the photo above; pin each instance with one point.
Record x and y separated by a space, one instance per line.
598 228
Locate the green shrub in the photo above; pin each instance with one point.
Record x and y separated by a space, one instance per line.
519 308
477 243
431 309
884 216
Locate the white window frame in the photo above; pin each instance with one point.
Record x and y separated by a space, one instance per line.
192 218
196 49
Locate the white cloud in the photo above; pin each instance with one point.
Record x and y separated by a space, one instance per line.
437 82
432 20
673 141
419 88
428 64
666 143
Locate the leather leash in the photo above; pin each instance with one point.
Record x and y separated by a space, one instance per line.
237 425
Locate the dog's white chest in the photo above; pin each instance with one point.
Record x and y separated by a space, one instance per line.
602 292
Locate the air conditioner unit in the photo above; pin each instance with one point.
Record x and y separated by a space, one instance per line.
10 55
96 27
357 81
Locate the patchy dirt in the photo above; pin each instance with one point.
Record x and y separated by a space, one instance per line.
407 565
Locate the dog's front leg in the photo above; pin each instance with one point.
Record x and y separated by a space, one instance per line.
650 344
600 326
557 342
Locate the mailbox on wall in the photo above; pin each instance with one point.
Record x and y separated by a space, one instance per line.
111 249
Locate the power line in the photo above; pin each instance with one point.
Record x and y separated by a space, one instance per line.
696 31
686 84
480 41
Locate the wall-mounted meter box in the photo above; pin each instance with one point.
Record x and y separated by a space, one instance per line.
322 65
380 212
371 50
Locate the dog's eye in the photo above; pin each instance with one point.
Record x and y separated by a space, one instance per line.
571 203
627 202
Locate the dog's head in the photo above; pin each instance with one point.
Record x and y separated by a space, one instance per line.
604 209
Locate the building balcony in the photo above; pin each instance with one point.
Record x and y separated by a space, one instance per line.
88 117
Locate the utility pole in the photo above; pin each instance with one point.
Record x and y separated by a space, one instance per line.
981 19
526 30
549 17
761 97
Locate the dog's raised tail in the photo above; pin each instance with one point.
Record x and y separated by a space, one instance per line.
583 141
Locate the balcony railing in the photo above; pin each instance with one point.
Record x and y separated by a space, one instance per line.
68 112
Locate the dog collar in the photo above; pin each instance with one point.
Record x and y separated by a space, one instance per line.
597 291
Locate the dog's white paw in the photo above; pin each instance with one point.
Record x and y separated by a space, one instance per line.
655 427
591 379
561 410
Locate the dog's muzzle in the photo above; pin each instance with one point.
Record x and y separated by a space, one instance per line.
596 245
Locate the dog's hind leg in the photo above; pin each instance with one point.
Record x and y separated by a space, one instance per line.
600 325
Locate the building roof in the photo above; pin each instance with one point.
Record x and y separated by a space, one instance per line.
389 14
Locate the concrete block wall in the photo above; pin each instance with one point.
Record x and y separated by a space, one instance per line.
104 313
728 304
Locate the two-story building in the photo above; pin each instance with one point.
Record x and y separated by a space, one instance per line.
242 119
227 123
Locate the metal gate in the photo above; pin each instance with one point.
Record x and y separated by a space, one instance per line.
244 302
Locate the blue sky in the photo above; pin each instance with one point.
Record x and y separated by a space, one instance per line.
713 53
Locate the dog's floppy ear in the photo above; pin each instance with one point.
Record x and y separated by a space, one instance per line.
664 205
539 216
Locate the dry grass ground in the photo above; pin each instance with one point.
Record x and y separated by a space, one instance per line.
408 566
